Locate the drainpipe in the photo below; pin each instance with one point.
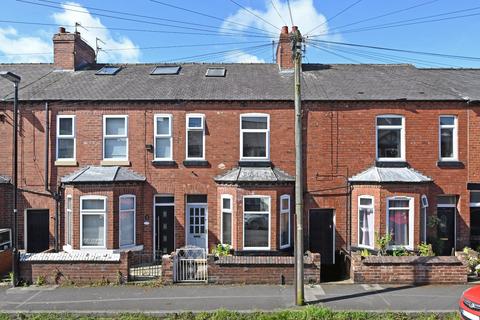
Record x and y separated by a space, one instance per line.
47 142
57 196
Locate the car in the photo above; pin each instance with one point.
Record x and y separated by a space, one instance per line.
469 304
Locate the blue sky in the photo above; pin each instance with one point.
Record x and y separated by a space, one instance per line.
238 33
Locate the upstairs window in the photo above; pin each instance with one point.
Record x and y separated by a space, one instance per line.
115 137
448 138
390 138
254 137
163 137
195 137
65 137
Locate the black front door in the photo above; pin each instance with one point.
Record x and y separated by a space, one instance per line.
321 234
446 229
164 230
38 233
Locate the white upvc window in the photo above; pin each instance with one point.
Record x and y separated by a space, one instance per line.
127 207
115 137
285 221
448 138
93 216
400 222
226 219
65 137
69 220
390 138
195 137
163 137
254 136
366 222
256 222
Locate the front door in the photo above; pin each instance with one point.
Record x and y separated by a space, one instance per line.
321 234
197 217
446 229
164 230
38 233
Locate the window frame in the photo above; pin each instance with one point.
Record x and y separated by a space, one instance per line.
72 136
116 136
287 211
93 212
267 136
360 206
423 217
454 138
411 216
188 128
134 220
156 136
245 248
68 220
222 210
402 137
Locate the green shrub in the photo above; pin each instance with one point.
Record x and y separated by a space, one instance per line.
222 250
383 243
425 250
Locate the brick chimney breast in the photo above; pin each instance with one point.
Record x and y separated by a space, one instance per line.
284 51
70 52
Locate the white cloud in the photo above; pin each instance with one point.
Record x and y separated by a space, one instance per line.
17 48
99 31
243 57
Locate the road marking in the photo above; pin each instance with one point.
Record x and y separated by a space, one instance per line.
27 300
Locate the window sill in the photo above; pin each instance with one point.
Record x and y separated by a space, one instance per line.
66 163
196 163
391 164
450 164
164 163
68 248
255 163
107 163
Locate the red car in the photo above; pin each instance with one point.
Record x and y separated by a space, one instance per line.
469 304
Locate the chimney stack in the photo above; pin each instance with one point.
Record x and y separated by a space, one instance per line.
284 50
70 52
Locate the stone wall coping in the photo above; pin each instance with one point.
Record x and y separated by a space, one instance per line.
260 260
76 256
378 260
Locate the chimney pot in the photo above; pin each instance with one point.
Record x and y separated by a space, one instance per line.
61 30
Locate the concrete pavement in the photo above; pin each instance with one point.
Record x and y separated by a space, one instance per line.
240 298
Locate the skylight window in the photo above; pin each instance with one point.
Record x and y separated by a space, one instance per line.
165 70
108 70
215 72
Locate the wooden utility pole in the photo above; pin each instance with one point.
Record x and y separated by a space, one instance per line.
297 56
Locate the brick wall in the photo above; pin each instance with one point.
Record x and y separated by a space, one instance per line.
408 270
5 261
76 272
6 206
251 269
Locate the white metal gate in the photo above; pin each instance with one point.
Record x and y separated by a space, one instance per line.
190 265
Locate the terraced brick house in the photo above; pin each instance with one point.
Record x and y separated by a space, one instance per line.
152 157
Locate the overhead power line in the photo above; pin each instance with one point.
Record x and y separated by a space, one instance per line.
239 33
335 16
290 12
450 56
254 14
205 15
278 12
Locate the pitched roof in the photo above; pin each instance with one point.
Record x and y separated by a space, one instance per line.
4 179
244 82
92 174
254 174
389 175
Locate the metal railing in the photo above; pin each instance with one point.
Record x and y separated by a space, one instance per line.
144 267
190 265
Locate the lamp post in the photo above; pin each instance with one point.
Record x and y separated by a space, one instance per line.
15 79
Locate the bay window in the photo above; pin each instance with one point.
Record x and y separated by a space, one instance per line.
226 219
365 221
68 220
400 221
127 220
390 138
163 137
195 137
256 223
254 137
65 137
448 138
93 211
284 221
115 137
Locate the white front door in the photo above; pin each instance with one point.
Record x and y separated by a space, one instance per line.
197 222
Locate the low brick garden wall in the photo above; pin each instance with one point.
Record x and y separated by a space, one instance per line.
251 269
408 270
5 261
74 268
